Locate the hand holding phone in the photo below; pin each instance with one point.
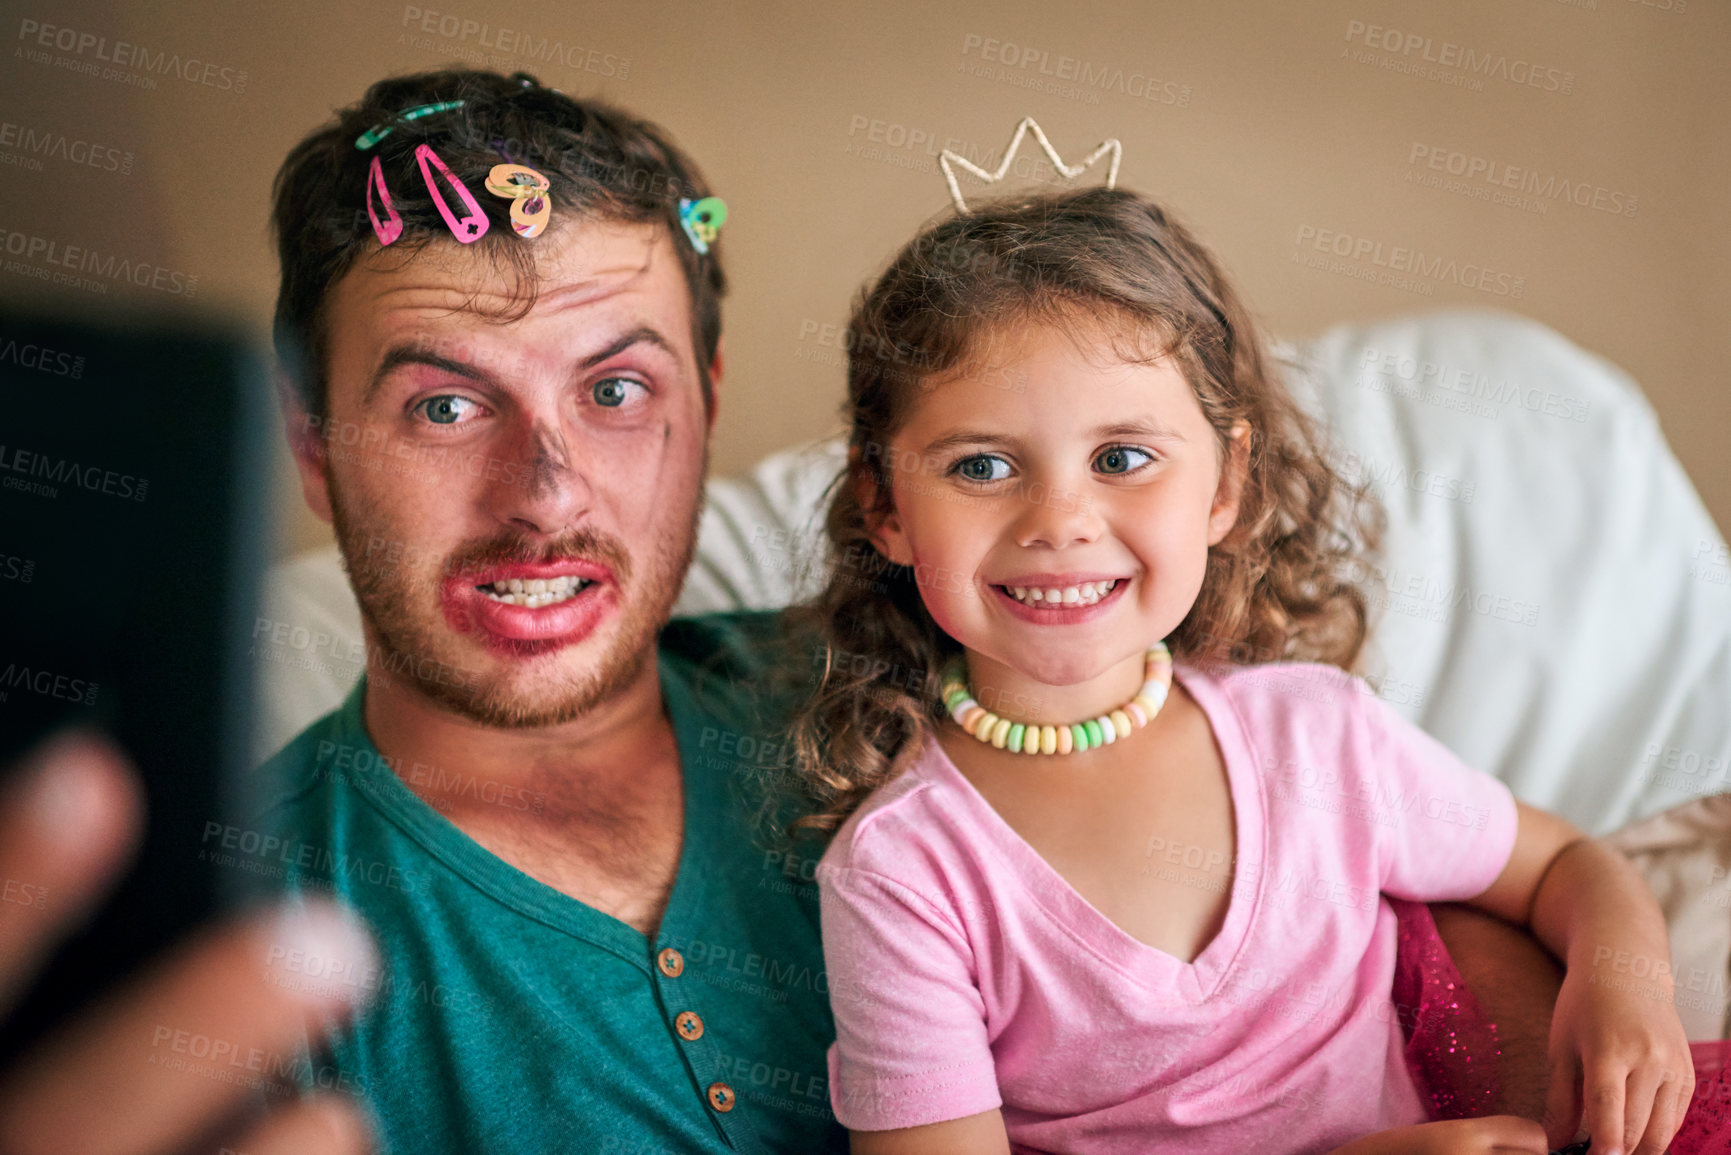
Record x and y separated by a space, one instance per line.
153 1067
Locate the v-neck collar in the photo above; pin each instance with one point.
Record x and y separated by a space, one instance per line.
498 879
1111 943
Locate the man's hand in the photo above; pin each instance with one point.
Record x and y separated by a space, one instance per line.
164 1062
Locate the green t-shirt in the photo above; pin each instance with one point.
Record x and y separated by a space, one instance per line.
507 1017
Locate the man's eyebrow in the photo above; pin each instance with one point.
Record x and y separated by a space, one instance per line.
399 355
642 335
416 354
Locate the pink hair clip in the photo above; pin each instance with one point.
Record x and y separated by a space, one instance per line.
391 227
466 229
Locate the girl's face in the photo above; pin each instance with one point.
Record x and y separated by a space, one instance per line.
1057 504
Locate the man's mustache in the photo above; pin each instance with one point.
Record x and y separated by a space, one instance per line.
522 549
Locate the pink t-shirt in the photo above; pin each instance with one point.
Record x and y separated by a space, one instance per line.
966 974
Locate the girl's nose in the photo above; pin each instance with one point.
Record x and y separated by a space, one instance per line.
1056 518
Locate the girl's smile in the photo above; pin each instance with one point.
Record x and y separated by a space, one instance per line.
1060 599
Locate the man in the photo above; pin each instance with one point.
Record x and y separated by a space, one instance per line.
537 805
546 805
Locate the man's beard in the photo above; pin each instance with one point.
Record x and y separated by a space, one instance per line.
410 639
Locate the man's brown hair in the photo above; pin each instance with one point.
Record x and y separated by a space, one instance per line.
601 162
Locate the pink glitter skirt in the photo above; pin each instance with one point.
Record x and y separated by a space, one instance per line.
1452 1048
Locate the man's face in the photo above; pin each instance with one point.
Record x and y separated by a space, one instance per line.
516 502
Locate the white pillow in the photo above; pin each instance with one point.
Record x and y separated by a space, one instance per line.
1554 602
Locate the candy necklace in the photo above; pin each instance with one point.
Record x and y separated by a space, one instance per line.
1032 738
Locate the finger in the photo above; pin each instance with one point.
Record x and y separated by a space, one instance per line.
327 1125
227 1014
1563 1102
68 820
1639 1090
1603 1102
1669 1106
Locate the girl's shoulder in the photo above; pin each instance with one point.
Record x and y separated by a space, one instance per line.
913 818
1296 685
1288 705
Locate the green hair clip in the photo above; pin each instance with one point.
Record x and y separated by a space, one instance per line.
702 220
379 131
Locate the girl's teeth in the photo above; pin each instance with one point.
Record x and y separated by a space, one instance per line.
1085 594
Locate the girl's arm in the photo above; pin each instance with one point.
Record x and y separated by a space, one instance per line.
981 1134
1615 1031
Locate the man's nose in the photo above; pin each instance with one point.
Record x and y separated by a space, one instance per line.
543 487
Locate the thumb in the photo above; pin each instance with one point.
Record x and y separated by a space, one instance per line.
1563 1101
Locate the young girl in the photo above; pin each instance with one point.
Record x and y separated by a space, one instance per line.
1100 884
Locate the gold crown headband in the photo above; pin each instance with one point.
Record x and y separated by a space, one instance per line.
948 158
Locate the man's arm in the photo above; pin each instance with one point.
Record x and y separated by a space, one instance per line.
1515 980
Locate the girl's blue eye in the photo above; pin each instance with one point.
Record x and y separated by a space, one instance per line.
1122 459
447 409
610 392
981 467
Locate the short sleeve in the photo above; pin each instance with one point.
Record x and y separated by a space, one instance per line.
1446 830
911 1045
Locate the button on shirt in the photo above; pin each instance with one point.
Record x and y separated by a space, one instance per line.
508 1017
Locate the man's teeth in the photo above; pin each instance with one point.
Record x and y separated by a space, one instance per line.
1085 594
536 592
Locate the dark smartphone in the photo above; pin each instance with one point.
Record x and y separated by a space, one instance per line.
133 481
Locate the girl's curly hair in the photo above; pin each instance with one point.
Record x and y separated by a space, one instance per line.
1276 588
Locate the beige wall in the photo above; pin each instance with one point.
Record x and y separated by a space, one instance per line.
1267 119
